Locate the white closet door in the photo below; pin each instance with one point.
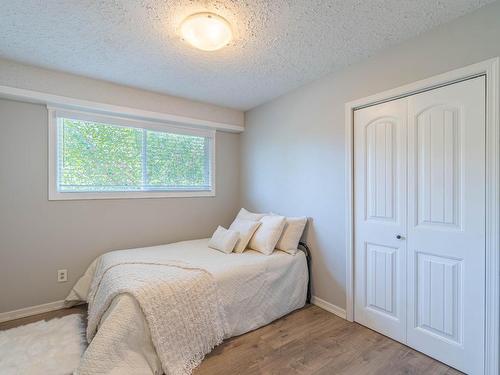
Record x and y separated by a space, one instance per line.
446 224
380 215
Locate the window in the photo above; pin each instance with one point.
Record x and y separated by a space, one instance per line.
94 156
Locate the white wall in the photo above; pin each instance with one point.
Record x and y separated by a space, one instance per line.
38 236
293 147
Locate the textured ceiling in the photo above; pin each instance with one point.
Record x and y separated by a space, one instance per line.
279 44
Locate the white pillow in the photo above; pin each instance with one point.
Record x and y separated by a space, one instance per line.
247 215
268 234
224 240
289 240
246 229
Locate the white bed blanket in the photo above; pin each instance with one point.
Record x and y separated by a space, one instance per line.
254 289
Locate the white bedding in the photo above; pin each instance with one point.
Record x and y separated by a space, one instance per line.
256 289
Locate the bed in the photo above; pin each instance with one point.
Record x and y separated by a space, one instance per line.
254 290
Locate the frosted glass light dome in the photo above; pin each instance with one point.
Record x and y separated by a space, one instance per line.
206 31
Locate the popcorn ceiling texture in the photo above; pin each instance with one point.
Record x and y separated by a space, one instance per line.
278 46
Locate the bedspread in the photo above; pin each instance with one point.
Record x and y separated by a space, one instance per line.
253 290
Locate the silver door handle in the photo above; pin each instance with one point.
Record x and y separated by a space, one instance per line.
399 237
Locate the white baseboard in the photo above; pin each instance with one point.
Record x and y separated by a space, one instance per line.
32 310
330 307
57 305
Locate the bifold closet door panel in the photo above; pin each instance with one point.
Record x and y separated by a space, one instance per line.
446 224
380 217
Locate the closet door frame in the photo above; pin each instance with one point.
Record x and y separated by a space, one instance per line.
491 70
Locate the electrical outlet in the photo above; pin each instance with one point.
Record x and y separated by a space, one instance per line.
62 276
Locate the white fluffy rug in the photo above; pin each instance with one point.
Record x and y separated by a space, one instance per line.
46 347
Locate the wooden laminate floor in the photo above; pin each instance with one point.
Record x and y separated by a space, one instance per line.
307 341
81 309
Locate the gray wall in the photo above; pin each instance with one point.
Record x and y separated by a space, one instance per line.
293 147
38 236
292 162
59 83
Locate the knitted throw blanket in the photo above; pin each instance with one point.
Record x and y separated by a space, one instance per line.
179 301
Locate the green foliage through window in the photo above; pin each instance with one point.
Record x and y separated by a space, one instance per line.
95 157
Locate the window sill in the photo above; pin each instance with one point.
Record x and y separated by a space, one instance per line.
58 196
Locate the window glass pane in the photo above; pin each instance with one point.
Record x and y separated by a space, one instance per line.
177 161
99 157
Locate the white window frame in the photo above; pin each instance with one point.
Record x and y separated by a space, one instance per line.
54 113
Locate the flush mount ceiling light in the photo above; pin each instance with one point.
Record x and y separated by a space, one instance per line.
206 31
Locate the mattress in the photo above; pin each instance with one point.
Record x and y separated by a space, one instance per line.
256 288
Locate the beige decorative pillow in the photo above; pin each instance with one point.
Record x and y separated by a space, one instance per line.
268 234
289 240
246 229
224 240
247 215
